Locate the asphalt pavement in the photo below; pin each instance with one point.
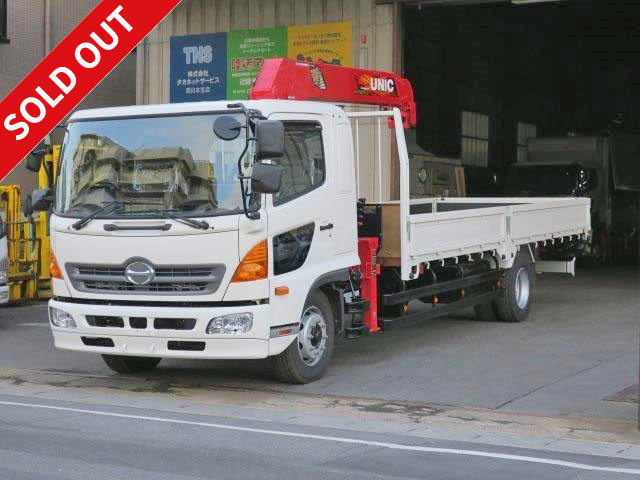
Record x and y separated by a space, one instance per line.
51 440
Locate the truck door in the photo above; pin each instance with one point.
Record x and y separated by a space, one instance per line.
302 215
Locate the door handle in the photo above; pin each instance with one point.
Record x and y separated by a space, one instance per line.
327 226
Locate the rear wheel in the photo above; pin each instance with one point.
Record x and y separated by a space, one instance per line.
514 303
308 357
121 364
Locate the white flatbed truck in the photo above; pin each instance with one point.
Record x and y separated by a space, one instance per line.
220 230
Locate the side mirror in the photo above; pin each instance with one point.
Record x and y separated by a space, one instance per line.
227 128
34 159
266 178
41 200
28 206
269 139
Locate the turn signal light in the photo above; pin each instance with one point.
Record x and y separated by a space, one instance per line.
254 265
54 268
281 290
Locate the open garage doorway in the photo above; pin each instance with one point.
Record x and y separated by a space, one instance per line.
495 82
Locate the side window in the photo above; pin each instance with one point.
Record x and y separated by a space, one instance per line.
290 249
303 161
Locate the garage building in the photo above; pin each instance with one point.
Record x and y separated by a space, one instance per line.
488 76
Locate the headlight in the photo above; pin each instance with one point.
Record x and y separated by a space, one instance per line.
61 319
3 278
232 324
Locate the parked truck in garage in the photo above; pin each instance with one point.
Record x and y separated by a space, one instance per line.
227 230
603 168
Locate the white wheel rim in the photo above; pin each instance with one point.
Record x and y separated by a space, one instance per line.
312 339
523 288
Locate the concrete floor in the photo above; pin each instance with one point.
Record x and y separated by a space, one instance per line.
578 347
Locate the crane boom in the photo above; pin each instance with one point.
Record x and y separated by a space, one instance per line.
283 78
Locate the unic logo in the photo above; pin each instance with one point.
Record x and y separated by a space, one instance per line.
198 55
385 85
369 85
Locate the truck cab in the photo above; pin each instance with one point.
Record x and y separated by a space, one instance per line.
177 256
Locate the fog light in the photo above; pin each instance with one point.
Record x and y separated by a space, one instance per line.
232 324
60 318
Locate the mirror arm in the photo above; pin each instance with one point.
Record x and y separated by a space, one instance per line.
250 116
243 193
242 178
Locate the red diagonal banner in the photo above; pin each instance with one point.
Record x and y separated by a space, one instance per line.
74 68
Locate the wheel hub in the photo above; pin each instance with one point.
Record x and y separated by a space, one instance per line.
312 339
522 288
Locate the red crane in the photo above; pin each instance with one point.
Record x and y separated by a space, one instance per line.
285 79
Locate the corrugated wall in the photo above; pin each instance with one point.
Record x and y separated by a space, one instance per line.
371 21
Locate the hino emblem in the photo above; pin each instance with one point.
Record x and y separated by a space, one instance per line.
139 273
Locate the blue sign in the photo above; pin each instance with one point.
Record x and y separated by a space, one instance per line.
198 70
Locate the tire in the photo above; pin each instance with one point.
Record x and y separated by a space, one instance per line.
302 362
514 303
122 364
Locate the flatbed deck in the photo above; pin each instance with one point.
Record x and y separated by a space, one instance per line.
417 232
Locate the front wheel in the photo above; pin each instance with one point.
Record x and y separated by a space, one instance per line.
308 357
122 364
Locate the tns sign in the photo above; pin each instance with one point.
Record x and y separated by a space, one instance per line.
198 69
198 55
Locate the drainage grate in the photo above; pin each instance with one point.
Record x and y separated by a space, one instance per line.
628 395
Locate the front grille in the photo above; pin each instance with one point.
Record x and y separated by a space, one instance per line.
174 323
138 322
168 279
103 321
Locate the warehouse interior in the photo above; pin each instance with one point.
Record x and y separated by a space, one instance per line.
489 76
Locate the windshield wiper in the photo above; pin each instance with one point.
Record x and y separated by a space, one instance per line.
201 224
104 209
109 207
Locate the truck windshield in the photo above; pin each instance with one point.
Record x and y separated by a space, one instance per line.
150 165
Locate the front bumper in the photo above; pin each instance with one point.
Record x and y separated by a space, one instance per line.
152 342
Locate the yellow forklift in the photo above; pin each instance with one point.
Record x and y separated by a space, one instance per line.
29 251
